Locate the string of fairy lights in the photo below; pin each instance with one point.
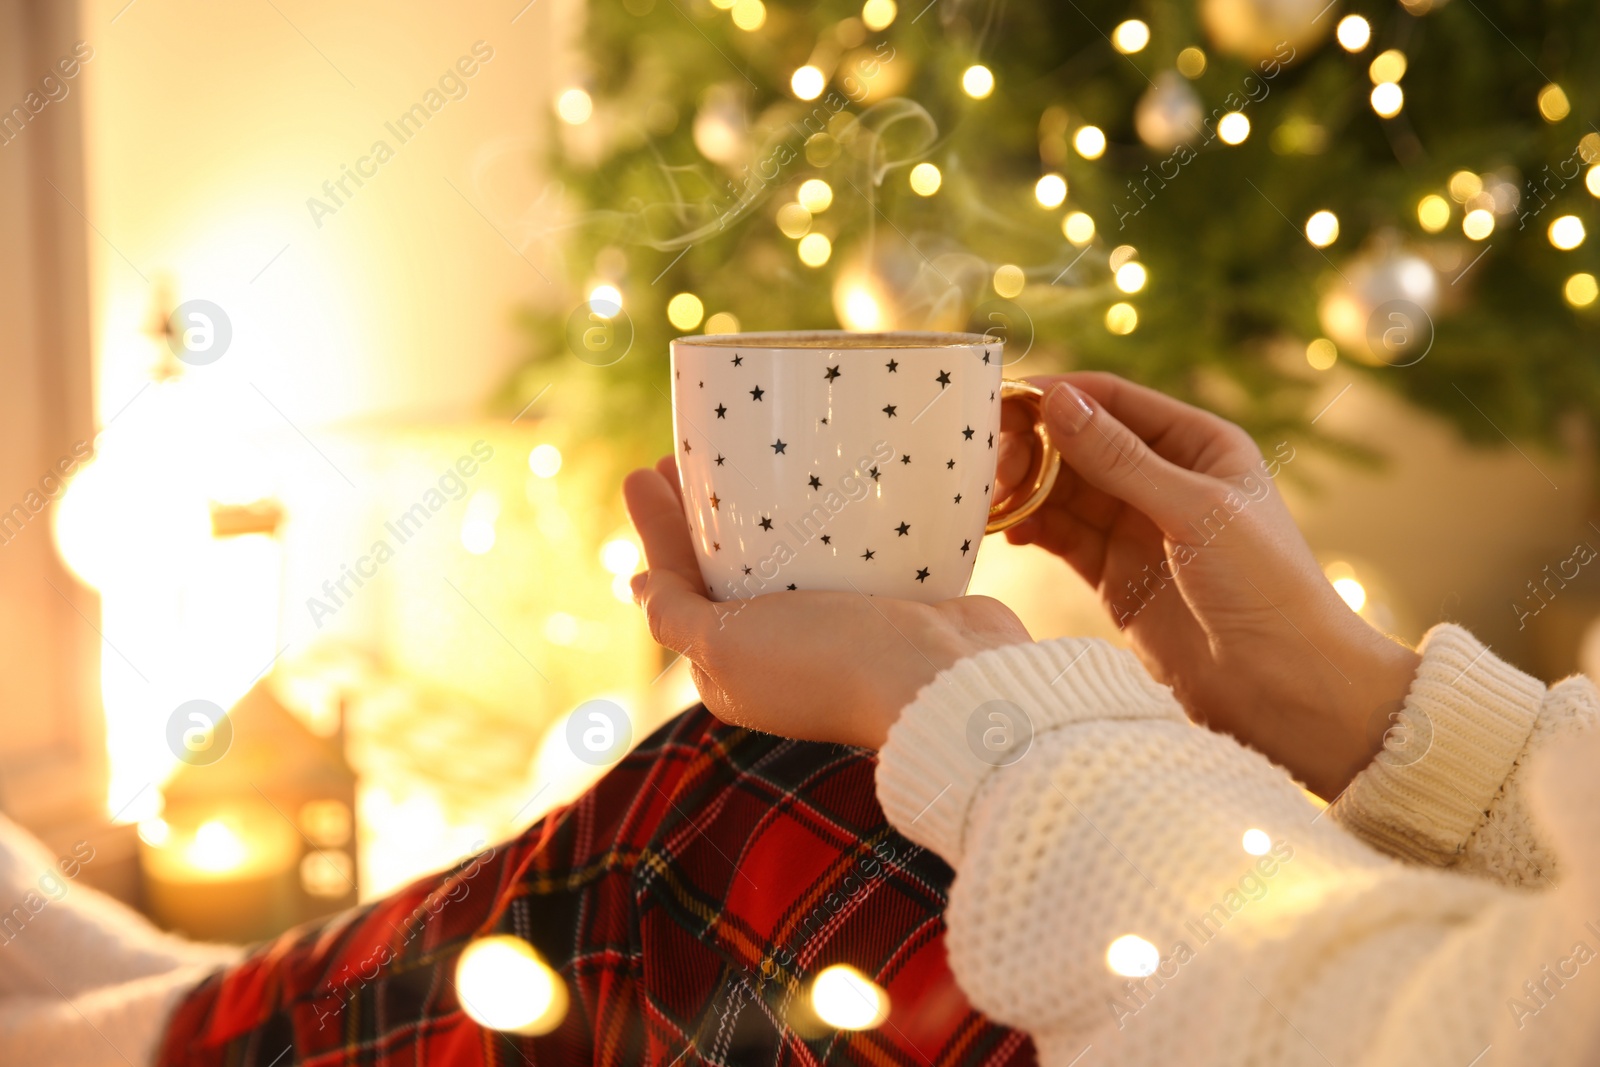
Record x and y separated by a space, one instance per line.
1479 203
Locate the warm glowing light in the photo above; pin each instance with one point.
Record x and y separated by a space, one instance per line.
561 628
155 832
1351 592
749 15
1191 62
1464 185
1132 957
1130 277
1078 228
1390 66
815 195
977 81
846 999
544 460
1581 290
574 107
1090 142
925 179
1387 99
619 556
1009 280
1257 842
1567 232
1050 190
1130 36
1553 103
1321 354
605 300
1322 229
1354 33
722 322
1233 127
215 847
878 14
808 82
622 588
685 311
814 249
1120 255
502 984
1122 319
477 526
794 220
1478 224
1433 212
859 309
1591 181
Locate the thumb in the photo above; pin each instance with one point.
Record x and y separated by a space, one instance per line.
1112 458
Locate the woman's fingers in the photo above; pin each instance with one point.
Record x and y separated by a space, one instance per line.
1180 433
1113 458
672 591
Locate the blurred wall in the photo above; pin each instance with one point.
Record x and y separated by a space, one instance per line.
210 130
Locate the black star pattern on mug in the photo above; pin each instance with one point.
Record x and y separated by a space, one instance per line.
958 498
814 482
991 394
874 473
721 459
793 586
943 379
986 489
766 522
966 546
892 364
737 359
827 539
903 529
686 448
986 355
905 458
967 433
746 568
922 574
868 554
950 465
780 444
991 440
888 409
755 394
823 420
702 385
716 502
721 410
716 546
831 373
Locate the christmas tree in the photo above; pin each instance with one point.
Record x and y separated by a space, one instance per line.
1220 199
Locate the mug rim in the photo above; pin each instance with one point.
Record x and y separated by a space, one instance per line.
851 340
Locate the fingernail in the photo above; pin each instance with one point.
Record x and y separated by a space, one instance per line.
1067 408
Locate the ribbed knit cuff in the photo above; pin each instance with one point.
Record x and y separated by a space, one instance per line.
1470 713
936 759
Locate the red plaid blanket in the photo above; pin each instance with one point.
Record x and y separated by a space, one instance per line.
686 900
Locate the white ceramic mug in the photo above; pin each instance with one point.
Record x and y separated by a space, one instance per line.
845 461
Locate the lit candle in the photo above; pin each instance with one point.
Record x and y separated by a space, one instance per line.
225 873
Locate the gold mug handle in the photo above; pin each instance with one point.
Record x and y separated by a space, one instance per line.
1004 514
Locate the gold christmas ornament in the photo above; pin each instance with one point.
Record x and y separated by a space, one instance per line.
1169 113
1256 30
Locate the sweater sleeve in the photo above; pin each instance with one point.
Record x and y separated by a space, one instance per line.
1450 788
1129 883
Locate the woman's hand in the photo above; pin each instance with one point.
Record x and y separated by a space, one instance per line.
811 665
1172 515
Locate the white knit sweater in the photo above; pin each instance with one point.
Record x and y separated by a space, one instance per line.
1344 944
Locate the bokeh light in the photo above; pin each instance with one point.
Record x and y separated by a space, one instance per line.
1567 232
722 322
1433 213
1322 229
574 106
1078 228
815 195
1130 277
1090 142
749 15
1050 190
808 82
814 249
1122 319
1322 354
1233 127
504 985
1464 185
977 81
1553 103
1257 842
1387 99
1132 957
545 460
1191 62
605 300
1130 36
1009 280
925 179
878 14
1581 290
794 220
1478 224
685 311
1389 66
846 999
1354 33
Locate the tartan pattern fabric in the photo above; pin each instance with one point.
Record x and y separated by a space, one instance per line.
686 900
